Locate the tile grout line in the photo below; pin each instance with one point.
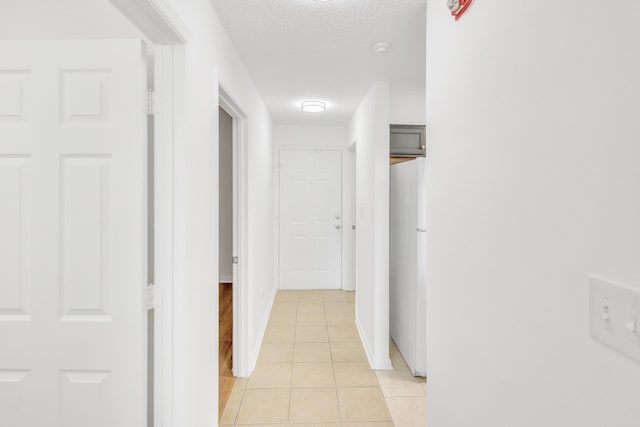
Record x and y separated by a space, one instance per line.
333 366
235 418
324 300
293 359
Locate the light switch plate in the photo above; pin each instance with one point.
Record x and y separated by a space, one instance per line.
614 316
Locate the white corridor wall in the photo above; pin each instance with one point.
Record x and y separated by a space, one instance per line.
407 103
532 184
210 60
369 127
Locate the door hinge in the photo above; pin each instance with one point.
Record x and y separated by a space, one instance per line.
151 102
234 260
152 297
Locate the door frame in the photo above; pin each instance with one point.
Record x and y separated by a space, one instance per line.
349 280
165 266
240 365
169 35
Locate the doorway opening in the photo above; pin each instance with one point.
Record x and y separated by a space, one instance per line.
225 258
232 303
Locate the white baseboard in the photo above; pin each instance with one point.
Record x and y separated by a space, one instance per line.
225 279
263 328
386 365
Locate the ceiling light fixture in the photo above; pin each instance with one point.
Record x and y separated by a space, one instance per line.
380 48
313 106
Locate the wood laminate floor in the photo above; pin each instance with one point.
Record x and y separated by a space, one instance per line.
225 342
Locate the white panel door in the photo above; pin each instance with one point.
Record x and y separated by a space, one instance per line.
310 219
72 234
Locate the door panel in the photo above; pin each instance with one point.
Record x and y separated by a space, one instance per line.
310 219
72 233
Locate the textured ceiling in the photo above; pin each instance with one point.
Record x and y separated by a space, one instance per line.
306 49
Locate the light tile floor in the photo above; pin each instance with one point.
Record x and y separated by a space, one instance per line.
404 393
312 370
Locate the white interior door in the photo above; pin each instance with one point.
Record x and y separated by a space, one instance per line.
310 219
72 234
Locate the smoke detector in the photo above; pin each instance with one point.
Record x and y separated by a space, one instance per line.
381 48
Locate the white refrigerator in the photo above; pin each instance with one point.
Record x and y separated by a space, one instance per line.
407 240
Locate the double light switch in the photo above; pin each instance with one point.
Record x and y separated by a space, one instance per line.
615 315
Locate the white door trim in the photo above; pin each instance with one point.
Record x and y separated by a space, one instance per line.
241 363
348 207
156 19
164 239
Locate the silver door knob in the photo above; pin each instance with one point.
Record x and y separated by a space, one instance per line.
337 216
337 226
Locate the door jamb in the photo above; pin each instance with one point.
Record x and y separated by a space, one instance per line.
349 190
240 297
164 199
